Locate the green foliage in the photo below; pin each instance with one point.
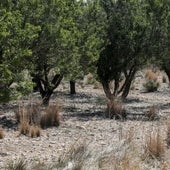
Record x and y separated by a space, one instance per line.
151 85
16 36
127 50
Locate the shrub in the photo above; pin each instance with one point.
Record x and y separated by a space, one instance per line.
29 113
115 110
24 128
152 113
151 83
1 134
51 116
34 131
150 75
155 147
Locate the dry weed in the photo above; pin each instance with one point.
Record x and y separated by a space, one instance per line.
115 110
1 133
34 131
126 162
151 83
155 146
24 128
75 157
151 114
51 116
150 75
19 165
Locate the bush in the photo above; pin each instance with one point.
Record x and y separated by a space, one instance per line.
151 84
30 113
155 147
51 116
34 131
115 110
152 113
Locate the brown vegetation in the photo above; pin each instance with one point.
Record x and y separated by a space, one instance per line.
155 146
152 113
115 110
51 116
151 83
1 133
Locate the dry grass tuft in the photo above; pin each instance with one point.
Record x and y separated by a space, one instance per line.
115 110
151 114
126 162
28 118
29 113
24 128
151 83
1 133
34 131
51 116
75 157
19 165
155 146
150 75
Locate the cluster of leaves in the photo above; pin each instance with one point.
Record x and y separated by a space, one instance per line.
44 37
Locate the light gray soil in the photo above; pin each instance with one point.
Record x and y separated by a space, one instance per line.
83 119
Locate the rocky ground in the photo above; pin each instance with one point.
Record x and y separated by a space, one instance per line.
83 121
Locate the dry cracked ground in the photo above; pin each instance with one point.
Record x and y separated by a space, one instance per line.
86 139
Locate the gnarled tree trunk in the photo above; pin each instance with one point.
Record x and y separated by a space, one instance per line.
46 88
72 87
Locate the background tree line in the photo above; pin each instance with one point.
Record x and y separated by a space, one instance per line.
70 38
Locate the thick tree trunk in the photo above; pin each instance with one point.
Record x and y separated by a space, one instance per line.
128 83
107 91
46 97
45 89
72 87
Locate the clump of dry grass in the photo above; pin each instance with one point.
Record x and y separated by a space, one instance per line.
29 113
24 127
28 118
151 114
34 131
150 75
115 110
51 116
1 133
75 157
151 83
31 118
18 165
155 146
